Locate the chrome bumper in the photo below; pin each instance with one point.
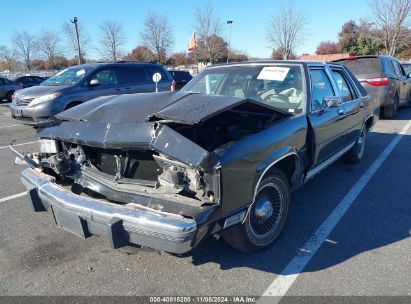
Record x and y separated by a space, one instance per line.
121 224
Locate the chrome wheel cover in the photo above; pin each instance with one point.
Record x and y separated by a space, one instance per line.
265 216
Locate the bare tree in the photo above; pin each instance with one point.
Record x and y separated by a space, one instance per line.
208 28
390 19
112 39
49 46
25 45
71 38
286 30
8 56
140 53
157 35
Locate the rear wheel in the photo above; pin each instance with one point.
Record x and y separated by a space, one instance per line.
357 152
265 218
9 96
392 110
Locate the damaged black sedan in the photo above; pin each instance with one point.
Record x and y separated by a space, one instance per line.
165 170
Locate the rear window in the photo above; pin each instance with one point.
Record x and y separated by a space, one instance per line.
363 92
131 74
363 66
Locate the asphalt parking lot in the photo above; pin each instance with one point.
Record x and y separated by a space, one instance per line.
367 253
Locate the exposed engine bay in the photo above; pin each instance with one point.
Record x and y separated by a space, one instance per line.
228 126
170 155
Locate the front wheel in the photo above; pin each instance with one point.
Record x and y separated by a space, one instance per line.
265 218
357 152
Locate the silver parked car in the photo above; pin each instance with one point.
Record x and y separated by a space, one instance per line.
78 84
384 78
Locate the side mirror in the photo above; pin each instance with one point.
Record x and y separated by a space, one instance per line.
332 101
409 75
94 83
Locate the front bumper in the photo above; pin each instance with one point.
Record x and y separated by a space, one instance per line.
42 113
121 224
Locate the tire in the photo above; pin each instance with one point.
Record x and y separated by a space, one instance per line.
391 111
9 95
356 153
265 218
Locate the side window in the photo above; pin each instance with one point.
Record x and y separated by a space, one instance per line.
344 86
321 87
131 75
153 70
390 67
398 69
105 77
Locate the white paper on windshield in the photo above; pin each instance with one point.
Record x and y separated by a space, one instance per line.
80 72
273 73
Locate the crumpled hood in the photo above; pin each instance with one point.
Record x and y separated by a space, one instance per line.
182 107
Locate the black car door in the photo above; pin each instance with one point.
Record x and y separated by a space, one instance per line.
327 122
352 104
29 82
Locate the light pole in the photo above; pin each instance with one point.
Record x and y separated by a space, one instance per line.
78 39
230 24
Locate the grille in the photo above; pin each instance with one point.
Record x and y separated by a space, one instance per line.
23 102
138 164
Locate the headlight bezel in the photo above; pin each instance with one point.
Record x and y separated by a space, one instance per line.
42 99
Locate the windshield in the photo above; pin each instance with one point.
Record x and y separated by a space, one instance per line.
66 77
280 86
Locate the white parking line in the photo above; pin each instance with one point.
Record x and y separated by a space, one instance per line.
5 199
22 144
1 127
283 282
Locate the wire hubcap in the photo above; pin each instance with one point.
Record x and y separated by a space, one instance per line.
266 214
263 209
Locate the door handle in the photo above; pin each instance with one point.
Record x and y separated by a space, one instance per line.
117 89
340 111
361 105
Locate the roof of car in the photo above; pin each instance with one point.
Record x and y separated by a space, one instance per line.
92 65
262 62
364 56
178 71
